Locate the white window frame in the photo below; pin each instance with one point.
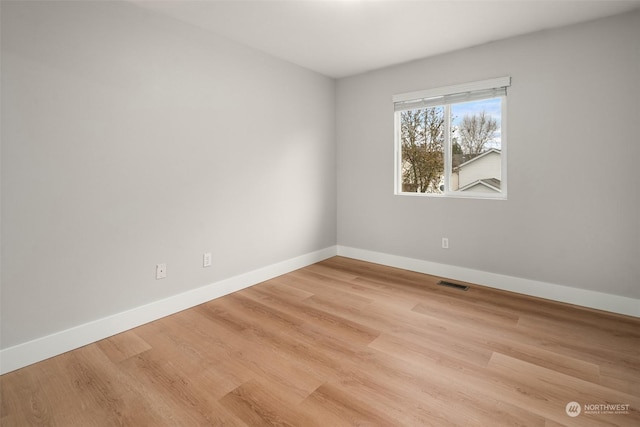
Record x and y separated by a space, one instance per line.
444 96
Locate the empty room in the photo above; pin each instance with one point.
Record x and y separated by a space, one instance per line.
320 213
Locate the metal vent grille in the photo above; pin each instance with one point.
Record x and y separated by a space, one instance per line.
453 285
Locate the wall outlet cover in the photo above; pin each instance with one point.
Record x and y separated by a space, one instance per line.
206 260
161 271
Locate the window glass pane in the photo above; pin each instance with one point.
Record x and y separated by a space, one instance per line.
476 146
422 147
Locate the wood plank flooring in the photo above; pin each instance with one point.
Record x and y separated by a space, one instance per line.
345 343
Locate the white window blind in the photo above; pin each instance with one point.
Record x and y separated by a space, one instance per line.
452 94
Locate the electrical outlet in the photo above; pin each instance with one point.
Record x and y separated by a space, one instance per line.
161 271
206 260
445 243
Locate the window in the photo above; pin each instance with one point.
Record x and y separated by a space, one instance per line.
451 141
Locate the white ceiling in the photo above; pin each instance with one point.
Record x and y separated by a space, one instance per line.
339 38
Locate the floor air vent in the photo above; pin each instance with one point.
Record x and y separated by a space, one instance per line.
453 285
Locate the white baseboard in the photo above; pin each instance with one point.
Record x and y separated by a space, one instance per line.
24 354
582 297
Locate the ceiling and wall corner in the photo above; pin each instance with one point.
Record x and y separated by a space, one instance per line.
340 38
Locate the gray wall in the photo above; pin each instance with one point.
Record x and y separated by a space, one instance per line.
573 211
129 139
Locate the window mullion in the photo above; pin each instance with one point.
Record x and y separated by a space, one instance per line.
447 148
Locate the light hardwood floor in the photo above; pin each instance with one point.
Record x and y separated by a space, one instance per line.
344 343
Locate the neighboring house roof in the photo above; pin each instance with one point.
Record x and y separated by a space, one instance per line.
486 153
491 183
